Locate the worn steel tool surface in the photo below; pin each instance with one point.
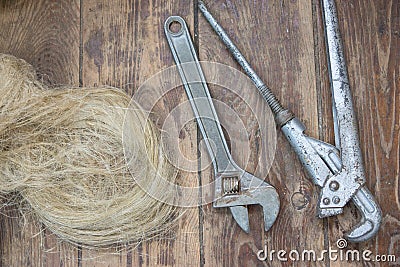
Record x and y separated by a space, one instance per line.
339 169
233 187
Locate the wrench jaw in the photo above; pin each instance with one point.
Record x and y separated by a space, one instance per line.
241 216
253 191
323 213
233 187
363 231
371 214
268 198
371 217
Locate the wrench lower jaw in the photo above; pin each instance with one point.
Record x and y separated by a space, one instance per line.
266 196
371 217
362 232
366 229
241 216
323 213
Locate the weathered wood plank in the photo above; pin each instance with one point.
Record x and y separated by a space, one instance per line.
326 133
370 33
124 45
277 38
45 34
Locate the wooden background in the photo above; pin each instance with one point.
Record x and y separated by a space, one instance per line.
122 43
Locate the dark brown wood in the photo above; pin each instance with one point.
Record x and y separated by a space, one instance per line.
122 43
45 34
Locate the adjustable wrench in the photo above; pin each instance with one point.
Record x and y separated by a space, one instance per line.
339 170
233 187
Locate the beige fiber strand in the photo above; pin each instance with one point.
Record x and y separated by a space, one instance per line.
61 152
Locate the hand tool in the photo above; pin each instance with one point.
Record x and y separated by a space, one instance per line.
233 187
339 170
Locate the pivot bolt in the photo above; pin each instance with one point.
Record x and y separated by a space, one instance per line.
334 185
336 200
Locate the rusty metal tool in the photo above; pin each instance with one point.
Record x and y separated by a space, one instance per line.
339 169
233 187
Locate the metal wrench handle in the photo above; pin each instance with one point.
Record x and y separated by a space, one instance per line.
233 187
332 200
282 115
345 126
318 157
346 132
198 94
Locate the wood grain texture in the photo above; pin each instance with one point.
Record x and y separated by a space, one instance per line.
122 43
45 34
370 32
277 38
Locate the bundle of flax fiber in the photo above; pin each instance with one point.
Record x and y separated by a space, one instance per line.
61 152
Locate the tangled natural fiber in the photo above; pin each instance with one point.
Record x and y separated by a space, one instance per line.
61 150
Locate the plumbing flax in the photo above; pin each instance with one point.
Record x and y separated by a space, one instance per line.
62 153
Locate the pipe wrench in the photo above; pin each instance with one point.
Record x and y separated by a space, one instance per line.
233 187
339 169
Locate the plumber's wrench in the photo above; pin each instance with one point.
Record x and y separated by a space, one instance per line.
341 175
233 187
